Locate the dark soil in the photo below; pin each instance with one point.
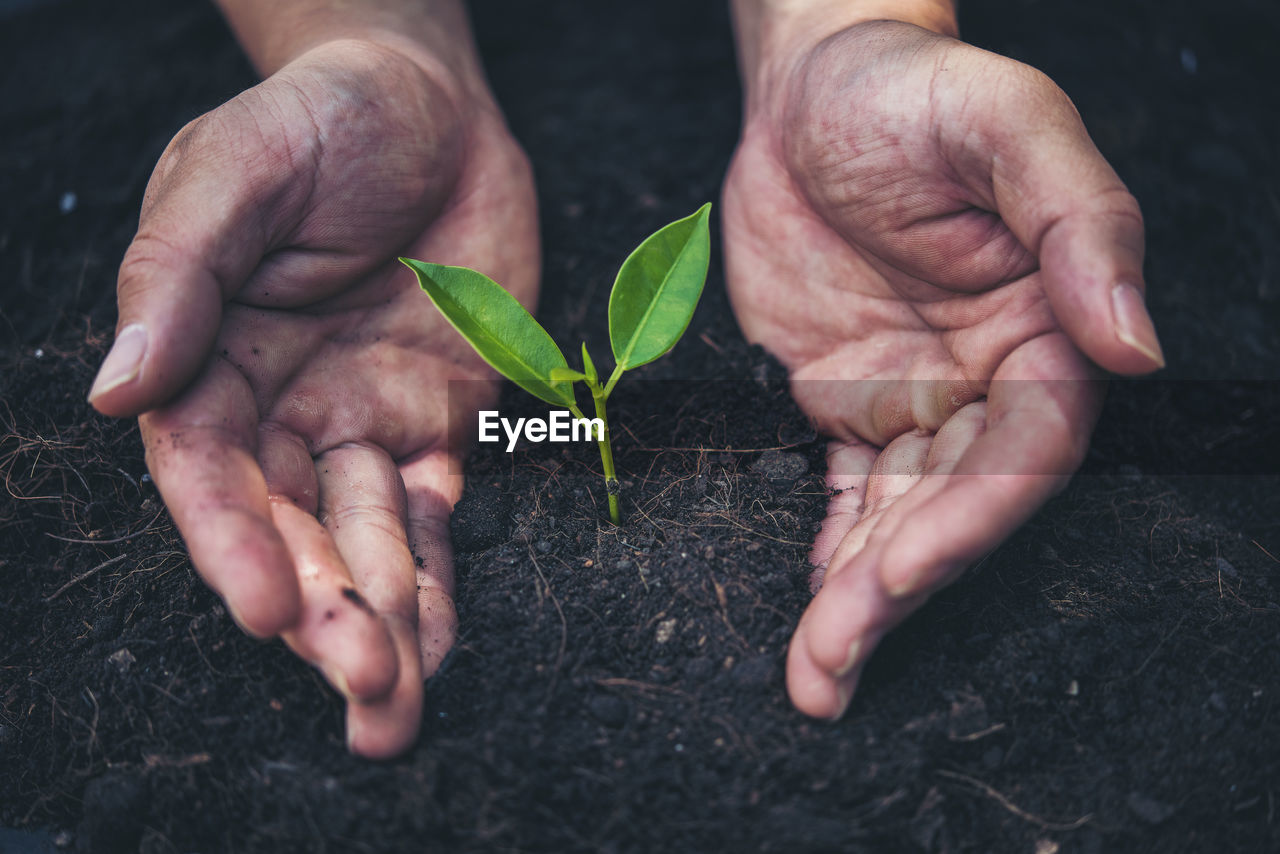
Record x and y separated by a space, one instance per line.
1105 681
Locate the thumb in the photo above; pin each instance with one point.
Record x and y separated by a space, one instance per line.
1063 201
205 225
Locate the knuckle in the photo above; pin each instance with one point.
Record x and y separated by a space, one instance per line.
173 156
147 268
1119 202
430 526
380 519
150 248
1033 88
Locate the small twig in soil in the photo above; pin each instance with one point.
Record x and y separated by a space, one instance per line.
714 450
83 576
724 612
200 652
564 626
92 725
706 339
637 685
647 518
156 760
752 531
552 474
1265 552
982 733
178 700
1014 808
121 539
1169 634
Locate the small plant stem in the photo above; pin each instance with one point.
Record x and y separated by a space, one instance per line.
606 458
606 451
613 381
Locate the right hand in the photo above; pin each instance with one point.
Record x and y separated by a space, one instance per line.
292 379
925 235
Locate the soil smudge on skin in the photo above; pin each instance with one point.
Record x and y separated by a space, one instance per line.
353 596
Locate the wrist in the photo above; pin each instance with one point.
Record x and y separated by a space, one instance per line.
774 35
433 34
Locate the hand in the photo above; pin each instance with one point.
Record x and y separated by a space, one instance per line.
925 235
293 378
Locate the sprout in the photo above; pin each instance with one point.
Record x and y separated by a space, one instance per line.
650 308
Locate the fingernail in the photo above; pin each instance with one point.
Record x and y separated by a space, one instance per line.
339 681
851 659
235 618
904 585
844 693
1133 324
123 362
910 585
351 735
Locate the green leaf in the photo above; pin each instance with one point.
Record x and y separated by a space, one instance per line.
657 290
567 375
588 366
498 327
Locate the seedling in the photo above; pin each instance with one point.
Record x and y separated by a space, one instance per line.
650 307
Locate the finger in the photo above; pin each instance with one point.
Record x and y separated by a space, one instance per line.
338 631
895 470
851 612
397 544
200 452
433 483
958 517
220 189
362 505
287 466
388 727
1063 200
836 636
879 410
988 469
848 465
1037 433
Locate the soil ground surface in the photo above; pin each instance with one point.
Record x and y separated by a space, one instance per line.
1105 681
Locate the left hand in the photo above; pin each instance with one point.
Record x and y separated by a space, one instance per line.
295 386
925 235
